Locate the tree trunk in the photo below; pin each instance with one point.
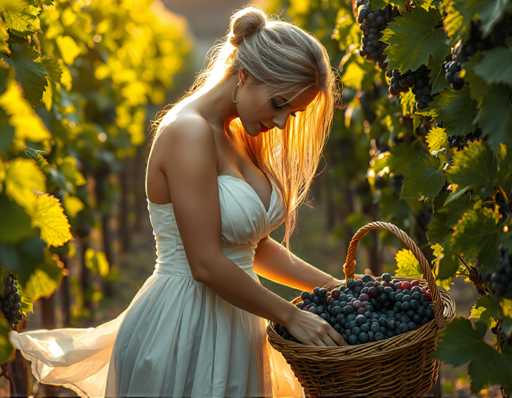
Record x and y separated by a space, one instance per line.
85 278
65 293
139 175
125 207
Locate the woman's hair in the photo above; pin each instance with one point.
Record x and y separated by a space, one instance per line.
287 60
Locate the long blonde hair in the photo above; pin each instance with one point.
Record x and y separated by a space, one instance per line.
286 59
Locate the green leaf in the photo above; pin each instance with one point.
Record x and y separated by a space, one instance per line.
456 109
45 280
496 66
476 237
423 180
474 166
495 116
16 223
6 348
485 310
460 344
440 227
404 34
30 73
491 368
461 12
448 265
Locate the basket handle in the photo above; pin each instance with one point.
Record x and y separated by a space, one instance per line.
350 261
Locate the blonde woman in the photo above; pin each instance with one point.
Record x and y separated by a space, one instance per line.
229 163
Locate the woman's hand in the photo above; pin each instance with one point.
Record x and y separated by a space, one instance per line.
332 283
311 329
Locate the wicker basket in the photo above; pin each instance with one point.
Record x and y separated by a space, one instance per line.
400 366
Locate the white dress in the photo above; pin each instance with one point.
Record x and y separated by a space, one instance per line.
177 337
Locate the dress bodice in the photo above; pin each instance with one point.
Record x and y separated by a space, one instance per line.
244 221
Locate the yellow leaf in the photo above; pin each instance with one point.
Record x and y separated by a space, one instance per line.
2 174
96 262
65 78
69 167
27 124
49 216
68 17
45 280
407 264
48 96
436 139
353 76
4 37
68 48
23 180
73 205
13 5
506 307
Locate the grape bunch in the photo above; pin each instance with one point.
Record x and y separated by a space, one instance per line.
372 23
500 281
452 70
418 80
475 42
369 309
459 141
11 301
504 204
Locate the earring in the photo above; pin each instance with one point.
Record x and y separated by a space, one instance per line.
235 92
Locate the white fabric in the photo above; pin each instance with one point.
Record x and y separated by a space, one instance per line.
177 337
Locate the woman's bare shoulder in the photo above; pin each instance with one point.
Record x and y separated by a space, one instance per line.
185 125
182 131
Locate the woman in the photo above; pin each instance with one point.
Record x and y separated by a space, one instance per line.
229 163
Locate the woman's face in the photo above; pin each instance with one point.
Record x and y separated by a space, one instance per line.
259 113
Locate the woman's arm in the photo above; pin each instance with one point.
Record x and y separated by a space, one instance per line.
272 262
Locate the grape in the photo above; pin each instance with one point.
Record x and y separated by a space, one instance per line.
459 141
500 281
372 23
418 80
370 309
10 301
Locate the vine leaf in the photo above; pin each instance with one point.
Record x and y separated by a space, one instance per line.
405 33
496 66
407 264
460 12
455 109
473 166
461 344
31 74
495 116
476 236
49 216
423 180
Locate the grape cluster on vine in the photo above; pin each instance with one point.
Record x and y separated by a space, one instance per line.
500 281
459 141
372 23
369 309
418 80
11 301
504 203
475 42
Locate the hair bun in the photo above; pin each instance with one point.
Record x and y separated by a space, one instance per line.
246 22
